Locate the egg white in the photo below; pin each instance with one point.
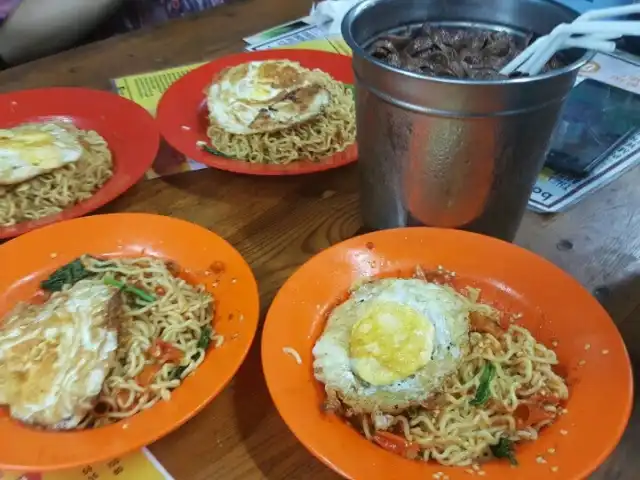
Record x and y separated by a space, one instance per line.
257 97
443 307
30 150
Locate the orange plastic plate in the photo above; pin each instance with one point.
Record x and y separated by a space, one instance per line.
31 258
554 307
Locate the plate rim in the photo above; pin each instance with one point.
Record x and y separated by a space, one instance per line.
102 196
269 349
173 135
252 320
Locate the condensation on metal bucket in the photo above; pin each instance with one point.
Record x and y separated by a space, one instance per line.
448 152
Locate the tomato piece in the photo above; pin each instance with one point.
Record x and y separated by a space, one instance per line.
165 352
528 414
549 399
121 398
40 297
217 267
145 378
483 324
436 276
396 444
174 268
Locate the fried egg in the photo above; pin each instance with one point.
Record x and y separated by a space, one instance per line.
391 344
55 357
266 96
30 150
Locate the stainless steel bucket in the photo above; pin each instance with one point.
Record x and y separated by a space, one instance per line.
447 152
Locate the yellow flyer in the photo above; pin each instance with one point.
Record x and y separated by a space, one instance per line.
328 44
146 88
141 465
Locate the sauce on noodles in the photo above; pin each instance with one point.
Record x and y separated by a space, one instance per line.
162 326
161 342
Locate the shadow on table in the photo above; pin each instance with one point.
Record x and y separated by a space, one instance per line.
267 440
622 300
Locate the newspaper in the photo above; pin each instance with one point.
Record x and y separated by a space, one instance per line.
141 465
552 193
297 34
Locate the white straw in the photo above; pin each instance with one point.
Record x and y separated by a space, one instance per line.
610 12
622 27
513 65
590 44
546 50
588 31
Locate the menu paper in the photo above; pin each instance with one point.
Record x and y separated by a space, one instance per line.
552 193
141 465
146 89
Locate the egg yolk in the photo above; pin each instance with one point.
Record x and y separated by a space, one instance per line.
389 343
260 93
34 147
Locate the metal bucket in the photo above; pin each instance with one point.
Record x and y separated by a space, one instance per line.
448 152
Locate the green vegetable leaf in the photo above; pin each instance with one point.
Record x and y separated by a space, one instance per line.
352 88
203 343
205 338
484 392
66 275
147 297
178 371
212 151
504 449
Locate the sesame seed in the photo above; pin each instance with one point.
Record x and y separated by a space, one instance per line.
53 255
563 432
482 473
540 459
565 411
554 469
587 346
470 472
605 352
552 451
582 362
554 343
185 127
475 466
446 477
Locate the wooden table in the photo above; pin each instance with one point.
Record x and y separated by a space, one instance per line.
278 223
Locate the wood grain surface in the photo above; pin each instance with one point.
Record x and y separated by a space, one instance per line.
278 223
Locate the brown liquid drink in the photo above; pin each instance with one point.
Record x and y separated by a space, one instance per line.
472 53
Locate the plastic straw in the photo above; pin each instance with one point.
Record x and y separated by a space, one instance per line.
588 31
